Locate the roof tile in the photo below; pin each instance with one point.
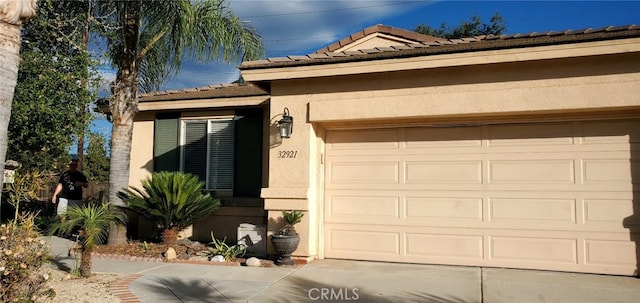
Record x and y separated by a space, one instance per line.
401 47
328 53
386 49
379 28
319 56
279 59
353 53
296 58
370 51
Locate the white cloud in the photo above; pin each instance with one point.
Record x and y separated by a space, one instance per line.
301 27
294 28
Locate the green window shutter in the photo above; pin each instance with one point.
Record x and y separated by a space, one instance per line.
195 149
248 154
166 151
221 154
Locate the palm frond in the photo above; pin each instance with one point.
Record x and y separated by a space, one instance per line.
94 219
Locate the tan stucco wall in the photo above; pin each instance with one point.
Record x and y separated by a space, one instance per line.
141 165
557 86
584 84
288 185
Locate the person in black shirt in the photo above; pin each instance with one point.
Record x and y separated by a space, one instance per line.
69 189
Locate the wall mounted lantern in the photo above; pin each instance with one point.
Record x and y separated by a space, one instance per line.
285 124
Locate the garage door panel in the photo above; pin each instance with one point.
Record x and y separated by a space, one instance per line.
354 142
554 196
362 208
364 172
443 172
601 171
443 138
532 211
430 208
609 252
529 249
536 135
531 171
609 211
442 246
610 132
363 242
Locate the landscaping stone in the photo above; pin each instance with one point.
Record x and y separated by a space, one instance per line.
170 254
254 262
217 258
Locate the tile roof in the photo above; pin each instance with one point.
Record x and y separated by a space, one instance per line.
382 29
470 44
206 92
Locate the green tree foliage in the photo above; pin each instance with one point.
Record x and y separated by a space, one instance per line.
94 221
96 162
471 28
50 100
170 200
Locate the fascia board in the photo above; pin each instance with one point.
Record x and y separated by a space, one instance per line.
202 103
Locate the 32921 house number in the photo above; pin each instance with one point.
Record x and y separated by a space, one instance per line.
287 154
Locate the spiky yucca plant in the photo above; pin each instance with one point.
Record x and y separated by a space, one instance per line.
170 200
93 220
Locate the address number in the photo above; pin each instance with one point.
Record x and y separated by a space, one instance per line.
287 154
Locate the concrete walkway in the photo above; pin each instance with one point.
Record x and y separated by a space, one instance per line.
348 281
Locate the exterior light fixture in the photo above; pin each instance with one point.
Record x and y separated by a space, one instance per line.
285 124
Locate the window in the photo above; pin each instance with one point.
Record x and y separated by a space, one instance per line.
208 152
226 151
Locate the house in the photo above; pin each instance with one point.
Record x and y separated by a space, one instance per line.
513 151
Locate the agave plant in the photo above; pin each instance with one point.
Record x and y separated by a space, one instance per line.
93 221
171 201
291 218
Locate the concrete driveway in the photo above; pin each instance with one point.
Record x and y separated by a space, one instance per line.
359 281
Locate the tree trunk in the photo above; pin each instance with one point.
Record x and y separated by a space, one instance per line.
124 106
85 262
80 150
170 236
9 62
119 174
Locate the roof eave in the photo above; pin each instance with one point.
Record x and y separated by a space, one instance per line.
481 44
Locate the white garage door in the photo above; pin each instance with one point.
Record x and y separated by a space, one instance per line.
555 196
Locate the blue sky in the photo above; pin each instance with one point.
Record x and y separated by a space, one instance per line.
300 27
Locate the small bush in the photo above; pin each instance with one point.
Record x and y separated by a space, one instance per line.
221 248
171 201
291 218
22 255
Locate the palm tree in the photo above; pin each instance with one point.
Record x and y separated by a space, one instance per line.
12 14
147 43
171 201
94 221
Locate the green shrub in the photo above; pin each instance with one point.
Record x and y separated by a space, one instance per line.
291 218
171 201
222 248
23 253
